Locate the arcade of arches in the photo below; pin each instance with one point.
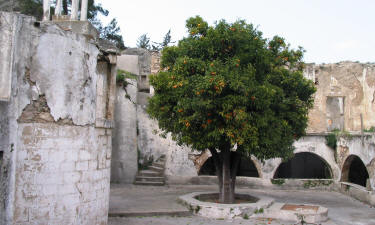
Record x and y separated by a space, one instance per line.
303 165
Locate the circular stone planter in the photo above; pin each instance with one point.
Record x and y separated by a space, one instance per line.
223 211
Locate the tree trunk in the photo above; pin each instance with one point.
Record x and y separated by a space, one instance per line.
235 162
226 165
227 193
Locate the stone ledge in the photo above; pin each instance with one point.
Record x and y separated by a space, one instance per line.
276 211
79 27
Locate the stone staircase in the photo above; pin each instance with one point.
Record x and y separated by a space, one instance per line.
154 175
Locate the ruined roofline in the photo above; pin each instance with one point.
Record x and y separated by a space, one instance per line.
340 62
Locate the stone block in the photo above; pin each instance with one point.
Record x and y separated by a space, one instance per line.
49 190
82 166
85 155
72 177
67 166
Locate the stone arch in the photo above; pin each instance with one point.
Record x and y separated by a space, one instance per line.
304 165
354 171
249 167
371 171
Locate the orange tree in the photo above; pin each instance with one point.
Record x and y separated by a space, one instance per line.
227 89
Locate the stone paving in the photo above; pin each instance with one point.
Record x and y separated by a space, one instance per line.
143 205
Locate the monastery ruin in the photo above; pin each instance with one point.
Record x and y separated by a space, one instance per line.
67 130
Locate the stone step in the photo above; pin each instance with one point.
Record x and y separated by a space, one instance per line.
149 183
161 160
156 168
159 164
152 179
149 173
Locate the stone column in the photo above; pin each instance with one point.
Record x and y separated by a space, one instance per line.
84 10
58 8
75 4
46 10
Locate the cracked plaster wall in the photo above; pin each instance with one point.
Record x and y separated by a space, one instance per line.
57 162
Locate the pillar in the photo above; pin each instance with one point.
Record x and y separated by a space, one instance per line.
84 10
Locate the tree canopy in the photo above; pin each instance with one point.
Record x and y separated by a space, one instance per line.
227 85
143 42
227 89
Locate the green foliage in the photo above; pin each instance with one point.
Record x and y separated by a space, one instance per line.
166 41
316 183
126 74
122 76
334 135
227 85
196 210
111 32
278 181
371 129
143 42
31 7
245 216
257 211
331 140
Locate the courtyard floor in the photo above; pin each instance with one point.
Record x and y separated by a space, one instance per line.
144 205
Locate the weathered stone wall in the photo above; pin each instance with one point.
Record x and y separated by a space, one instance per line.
345 90
62 174
55 127
143 66
8 5
124 165
150 145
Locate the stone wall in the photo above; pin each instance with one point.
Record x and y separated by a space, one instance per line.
56 126
125 156
345 91
8 5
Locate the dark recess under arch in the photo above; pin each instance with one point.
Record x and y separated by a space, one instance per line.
246 168
304 165
354 171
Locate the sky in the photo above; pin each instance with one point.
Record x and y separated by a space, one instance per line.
329 30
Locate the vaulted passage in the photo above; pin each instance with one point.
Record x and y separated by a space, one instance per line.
304 165
354 171
246 168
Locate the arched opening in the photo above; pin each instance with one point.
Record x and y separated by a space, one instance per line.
354 171
304 165
246 168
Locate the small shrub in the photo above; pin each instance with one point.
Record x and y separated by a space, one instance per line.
371 129
245 217
316 183
257 211
331 141
278 181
